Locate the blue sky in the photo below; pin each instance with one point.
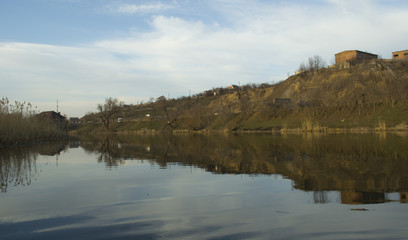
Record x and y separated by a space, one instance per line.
83 51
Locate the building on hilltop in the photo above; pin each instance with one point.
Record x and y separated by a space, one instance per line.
232 87
346 58
400 55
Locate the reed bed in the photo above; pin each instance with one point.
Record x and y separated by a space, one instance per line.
19 124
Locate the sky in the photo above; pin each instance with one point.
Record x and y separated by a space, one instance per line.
80 52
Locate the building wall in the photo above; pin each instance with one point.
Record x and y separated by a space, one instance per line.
363 56
400 54
345 56
353 55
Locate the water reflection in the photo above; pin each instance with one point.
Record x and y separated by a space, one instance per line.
18 166
362 167
80 199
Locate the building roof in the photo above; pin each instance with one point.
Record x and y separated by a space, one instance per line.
51 115
400 51
358 51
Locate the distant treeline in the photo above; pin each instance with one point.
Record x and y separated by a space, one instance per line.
19 124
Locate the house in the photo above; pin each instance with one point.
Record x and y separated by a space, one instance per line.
55 117
353 56
400 55
74 120
51 115
232 87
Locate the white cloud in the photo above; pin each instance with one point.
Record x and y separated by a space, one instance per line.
258 42
154 7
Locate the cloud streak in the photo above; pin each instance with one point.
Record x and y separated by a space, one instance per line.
129 9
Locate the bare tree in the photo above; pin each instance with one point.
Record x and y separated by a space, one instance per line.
313 64
108 110
164 104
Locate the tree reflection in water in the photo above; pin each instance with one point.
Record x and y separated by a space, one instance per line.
362 167
19 165
17 168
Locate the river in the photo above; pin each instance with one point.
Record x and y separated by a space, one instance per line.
223 186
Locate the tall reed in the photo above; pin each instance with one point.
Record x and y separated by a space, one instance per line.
381 125
19 124
309 126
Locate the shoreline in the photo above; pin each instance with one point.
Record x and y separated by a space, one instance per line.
321 130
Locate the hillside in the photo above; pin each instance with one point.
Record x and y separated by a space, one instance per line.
371 95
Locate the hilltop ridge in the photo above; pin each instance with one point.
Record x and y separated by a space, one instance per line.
371 94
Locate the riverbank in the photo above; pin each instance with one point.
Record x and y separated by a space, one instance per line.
382 117
400 129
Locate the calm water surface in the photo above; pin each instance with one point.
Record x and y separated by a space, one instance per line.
207 187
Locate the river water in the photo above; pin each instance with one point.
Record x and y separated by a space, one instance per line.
207 187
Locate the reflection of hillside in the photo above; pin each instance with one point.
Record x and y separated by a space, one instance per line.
51 149
18 165
357 164
363 163
113 152
362 197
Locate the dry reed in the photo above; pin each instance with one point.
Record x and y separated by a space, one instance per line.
19 124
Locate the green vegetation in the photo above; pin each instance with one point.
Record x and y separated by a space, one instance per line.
371 95
19 124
